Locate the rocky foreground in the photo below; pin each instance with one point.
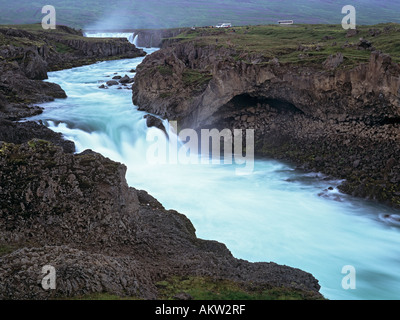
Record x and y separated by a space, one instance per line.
328 100
76 212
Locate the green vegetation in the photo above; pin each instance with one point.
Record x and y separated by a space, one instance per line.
204 288
165 70
62 48
6 249
299 44
194 77
35 143
100 296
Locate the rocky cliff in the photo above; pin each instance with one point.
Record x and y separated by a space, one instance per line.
341 120
77 213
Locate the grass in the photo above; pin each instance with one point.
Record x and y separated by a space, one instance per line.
6 249
104 296
205 288
283 42
194 77
165 70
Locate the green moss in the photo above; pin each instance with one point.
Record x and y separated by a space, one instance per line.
164 95
100 296
85 184
38 143
204 288
191 77
62 48
165 70
6 249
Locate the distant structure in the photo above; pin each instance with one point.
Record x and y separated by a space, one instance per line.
224 25
285 21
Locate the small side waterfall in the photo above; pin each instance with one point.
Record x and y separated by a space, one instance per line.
135 39
127 35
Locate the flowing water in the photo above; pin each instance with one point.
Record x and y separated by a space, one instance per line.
274 214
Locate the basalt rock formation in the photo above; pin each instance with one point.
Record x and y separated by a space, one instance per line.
77 214
344 122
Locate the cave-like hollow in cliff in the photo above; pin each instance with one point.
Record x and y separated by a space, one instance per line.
243 102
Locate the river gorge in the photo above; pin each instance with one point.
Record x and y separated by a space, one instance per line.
277 213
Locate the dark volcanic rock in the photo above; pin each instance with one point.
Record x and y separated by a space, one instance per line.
112 83
21 132
77 213
152 121
125 79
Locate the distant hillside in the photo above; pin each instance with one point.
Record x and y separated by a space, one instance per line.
121 14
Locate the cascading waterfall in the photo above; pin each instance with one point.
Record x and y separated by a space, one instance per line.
275 214
127 35
135 40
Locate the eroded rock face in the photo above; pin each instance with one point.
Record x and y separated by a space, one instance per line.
367 90
77 273
77 213
339 114
23 132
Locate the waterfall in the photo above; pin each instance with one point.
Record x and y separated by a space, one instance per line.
135 39
127 35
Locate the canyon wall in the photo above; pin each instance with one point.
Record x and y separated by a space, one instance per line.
340 121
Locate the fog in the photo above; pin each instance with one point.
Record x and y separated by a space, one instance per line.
134 14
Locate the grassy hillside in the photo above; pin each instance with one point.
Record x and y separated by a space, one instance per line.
301 44
117 14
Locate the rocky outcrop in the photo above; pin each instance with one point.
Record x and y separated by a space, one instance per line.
26 55
77 214
367 91
22 132
101 48
154 38
335 114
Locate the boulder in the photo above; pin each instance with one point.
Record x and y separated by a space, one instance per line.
125 79
111 83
